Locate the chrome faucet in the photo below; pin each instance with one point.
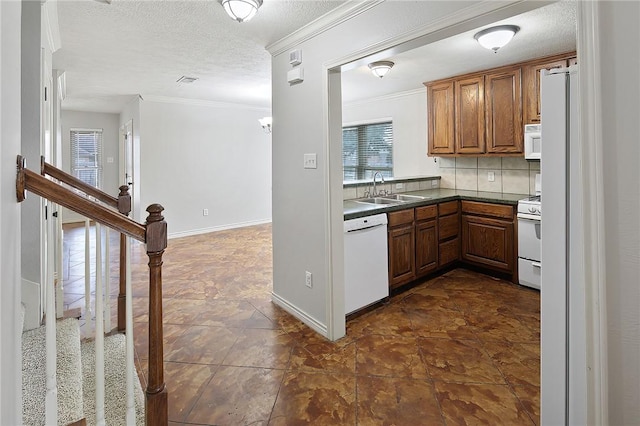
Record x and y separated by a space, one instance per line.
375 194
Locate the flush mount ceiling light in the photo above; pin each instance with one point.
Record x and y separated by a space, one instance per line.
496 37
380 68
241 10
266 122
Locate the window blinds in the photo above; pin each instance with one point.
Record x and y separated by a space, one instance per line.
367 149
86 155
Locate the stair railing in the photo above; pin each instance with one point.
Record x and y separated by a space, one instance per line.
122 203
153 233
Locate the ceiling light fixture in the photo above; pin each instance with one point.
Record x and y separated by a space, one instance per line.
266 122
496 37
380 68
241 10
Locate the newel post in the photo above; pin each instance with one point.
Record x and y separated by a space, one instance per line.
124 207
156 394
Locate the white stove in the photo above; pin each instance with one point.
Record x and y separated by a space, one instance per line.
529 245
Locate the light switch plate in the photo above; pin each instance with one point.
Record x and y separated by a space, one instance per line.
491 176
109 159
310 161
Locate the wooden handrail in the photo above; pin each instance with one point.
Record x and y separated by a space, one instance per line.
48 169
153 233
40 185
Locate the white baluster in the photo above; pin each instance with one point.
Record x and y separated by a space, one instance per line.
58 253
51 400
107 282
99 334
131 410
87 274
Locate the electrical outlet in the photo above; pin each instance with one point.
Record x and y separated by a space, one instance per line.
434 183
491 176
205 212
399 186
308 279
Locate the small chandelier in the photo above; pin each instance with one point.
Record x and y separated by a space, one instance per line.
241 10
266 122
380 68
496 37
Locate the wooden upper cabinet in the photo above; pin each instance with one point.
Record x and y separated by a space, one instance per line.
440 113
469 115
532 88
504 111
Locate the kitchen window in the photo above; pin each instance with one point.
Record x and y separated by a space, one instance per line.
367 149
86 155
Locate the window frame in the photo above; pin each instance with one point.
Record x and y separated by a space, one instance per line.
361 168
97 153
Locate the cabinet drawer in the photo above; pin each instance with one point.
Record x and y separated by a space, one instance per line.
448 227
449 252
427 212
448 208
401 217
487 209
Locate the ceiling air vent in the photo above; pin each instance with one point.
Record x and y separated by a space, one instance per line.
185 79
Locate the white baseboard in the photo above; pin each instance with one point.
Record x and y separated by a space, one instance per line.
217 228
301 315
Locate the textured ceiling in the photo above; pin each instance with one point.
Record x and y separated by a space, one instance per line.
544 31
112 52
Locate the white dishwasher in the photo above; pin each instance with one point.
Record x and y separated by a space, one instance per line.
366 272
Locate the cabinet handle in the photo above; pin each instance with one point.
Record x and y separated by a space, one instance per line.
536 264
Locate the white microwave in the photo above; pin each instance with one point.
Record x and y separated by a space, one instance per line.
532 141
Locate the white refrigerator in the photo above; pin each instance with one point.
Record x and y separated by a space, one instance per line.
562 296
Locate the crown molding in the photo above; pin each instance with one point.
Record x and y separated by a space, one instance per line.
389 97
334 17
201 102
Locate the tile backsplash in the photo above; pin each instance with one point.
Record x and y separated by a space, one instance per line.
511 174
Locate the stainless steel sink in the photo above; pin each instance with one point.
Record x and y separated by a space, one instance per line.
405 197
378 200
392 199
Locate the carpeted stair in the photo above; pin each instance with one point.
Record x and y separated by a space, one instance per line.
75 378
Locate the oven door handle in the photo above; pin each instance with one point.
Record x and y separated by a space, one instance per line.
529 216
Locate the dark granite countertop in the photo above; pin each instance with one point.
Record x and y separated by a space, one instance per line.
353 209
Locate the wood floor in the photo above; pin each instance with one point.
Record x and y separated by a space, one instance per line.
463 348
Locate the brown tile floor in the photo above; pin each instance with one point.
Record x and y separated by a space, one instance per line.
462 348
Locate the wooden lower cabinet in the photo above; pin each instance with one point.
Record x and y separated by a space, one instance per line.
488 242
401 255
426 247
488 236
429 238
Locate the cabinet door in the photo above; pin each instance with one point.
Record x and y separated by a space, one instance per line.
531 88
488 242
426 247
440 112
401 255
449 252
469 114
504 112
